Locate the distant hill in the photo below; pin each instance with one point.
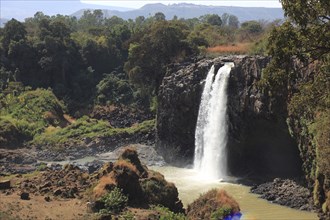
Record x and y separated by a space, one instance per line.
24 9
20 10
184 10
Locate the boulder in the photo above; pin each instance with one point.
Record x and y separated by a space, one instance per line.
142 186
5 184
215 204
25 196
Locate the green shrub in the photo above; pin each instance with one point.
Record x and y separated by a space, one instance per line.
115 201
113 90
127 216
221 213
166 214
87 128
8 132
32 111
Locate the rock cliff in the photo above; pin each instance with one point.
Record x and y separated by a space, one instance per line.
259 142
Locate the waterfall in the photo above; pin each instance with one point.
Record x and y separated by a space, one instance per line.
211 129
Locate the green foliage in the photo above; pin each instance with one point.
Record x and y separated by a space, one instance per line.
71 55
212 19
305 39
252 27
13 31
154 104
166 214
32 111
221 213
164 42
126 216
9 134
115 201
86 128
260 47
113 90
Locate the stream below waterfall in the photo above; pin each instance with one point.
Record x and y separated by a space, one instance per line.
190 186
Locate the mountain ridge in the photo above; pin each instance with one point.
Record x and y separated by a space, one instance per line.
11 9
186 11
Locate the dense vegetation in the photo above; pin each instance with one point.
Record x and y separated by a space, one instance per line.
302 45
108 60
53 67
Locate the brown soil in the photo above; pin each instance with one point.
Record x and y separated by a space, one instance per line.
12 207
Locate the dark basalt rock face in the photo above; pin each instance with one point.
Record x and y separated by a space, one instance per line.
258 142
286 192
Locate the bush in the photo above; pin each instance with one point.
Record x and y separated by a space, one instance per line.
115 201
215 204
113 90
8 132
221 213
32 111
166 214
84 128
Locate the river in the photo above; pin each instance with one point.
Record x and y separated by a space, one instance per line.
190 186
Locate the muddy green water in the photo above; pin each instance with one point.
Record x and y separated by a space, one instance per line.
190 186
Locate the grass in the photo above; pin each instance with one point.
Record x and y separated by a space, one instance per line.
240 48
30 113
84 128
166 214
26 175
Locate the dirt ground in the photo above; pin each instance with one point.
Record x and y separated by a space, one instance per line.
12 207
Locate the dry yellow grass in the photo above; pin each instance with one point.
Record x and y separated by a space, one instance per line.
105 183
124 164
69 118
226 200
226 49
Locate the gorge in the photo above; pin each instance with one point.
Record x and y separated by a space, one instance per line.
264 141
259 142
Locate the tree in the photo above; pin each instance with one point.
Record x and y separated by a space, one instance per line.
225 18
212 19
251 27
113 90
13 31
164 42
233 21
159 16
91 19
313 24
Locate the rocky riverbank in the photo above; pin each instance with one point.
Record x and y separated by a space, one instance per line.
122 189
286 192
21 161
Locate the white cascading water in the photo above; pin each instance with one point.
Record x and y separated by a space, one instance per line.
211 129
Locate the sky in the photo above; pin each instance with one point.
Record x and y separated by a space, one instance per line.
138 4
21 9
